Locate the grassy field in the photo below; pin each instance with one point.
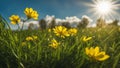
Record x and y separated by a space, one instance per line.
18 52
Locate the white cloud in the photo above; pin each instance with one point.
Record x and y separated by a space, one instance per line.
89 19
60 21
48 18
13 27
73 20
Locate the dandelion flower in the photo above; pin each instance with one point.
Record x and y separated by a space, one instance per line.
54 44
29 38
95 54
30 13
72 31
85 38
61 31
14 19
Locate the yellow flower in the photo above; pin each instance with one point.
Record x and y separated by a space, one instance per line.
30 13
85 38
95 54
29 38
35 37
54 44
72 31
61 31
14 19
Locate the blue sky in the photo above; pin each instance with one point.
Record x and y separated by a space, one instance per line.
59 8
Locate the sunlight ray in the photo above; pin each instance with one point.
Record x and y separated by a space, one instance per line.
104 8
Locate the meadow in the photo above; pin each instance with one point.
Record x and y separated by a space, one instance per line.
59 46
18 52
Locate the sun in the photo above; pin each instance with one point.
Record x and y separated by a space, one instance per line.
104 8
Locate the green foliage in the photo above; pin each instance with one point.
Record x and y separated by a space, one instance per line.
2 21
84 23
69 54
101 22
43 24
52 24
66 24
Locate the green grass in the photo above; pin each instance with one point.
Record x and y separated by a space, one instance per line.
69 54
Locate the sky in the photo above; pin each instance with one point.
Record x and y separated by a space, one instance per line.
58 8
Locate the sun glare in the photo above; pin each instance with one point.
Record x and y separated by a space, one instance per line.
104 8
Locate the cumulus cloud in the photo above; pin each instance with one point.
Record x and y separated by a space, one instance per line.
48 18
89 19
73 20
59 21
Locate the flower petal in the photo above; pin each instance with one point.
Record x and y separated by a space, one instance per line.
104 58
87 50
96 50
